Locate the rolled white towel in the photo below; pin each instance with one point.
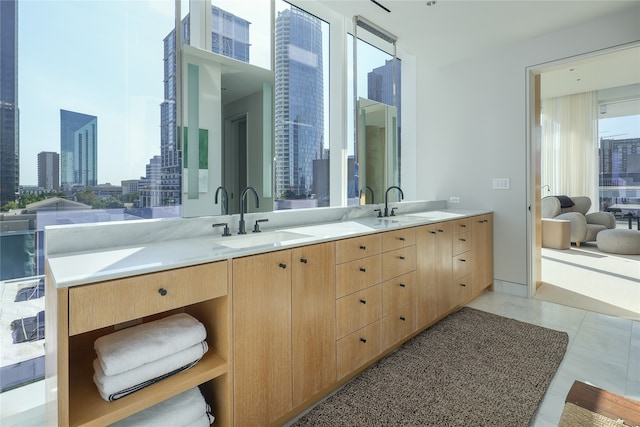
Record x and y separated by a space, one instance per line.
112 387
129 348
180 410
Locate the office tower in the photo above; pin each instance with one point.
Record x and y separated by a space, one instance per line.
299 103
78 150
49 170
230 37
9 114
149 187
380 85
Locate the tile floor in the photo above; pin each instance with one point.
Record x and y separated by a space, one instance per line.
603 350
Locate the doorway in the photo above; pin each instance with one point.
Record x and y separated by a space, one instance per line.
605 76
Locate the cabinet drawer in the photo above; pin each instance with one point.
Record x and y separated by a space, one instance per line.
397 262
398 239
358 348
461 242
462 289
357 275
398 292
116 301
398 325
461 225
357 310
357 247
461 265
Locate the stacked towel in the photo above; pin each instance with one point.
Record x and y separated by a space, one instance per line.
134 358
186 409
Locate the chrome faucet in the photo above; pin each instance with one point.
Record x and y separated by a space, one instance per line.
386 196
224 200
241 225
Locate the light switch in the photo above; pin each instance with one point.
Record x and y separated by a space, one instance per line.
501 183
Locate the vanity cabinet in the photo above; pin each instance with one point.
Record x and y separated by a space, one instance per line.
482 248
77 316
284 331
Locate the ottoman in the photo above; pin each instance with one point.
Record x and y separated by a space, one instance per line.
619 241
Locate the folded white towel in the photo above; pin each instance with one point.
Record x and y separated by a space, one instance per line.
112 387
129 348
204 421
180 410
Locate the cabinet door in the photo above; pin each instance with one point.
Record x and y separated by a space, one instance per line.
314 313
444 266
482 246
262 338
426 275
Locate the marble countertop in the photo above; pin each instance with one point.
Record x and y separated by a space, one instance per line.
84 267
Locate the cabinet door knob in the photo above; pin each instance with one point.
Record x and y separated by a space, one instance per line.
363 247
281 265
363 301
364 340
303 260
402 318
402 285
364 270
162 291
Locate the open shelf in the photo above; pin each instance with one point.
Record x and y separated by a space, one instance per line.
89 409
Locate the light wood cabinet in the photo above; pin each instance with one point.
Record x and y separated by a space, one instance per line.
314 326
482 229
77 316
284 331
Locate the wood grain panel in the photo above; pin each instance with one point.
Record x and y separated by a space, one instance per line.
358 247
357 275
397 262
357 310
398 292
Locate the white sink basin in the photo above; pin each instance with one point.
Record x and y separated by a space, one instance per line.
435 215
275 238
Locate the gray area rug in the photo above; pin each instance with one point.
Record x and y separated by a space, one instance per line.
471 369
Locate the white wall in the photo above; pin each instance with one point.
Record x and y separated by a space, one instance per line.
473 128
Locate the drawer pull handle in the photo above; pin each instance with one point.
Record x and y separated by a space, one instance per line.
441 231
364 340
463 240
162 291
463 225
303 260
363 301
402 318
402 285
463 260
401 239
363 247
401 257
364 270
432 232
462 284
281 265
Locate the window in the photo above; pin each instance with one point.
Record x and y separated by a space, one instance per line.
301 113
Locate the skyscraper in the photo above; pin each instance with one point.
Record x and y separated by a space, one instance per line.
299 101
78 149
9 114
49 170
230 37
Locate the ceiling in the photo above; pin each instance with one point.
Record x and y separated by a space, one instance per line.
457 30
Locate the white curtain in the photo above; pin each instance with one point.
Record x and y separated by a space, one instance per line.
569 150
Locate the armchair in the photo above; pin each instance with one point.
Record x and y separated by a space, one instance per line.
584 226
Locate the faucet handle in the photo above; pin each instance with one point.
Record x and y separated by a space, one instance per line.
379 212
226 232
256 227
393 212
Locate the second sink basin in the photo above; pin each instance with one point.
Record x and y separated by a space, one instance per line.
275 238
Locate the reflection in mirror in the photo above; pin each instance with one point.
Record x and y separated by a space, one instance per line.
377 149
377 116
